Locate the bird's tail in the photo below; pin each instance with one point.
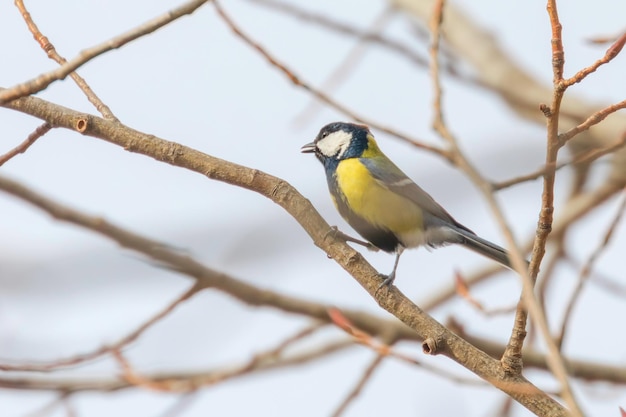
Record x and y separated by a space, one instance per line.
492 251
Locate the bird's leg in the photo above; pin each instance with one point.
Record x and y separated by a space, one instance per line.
388 279
341 235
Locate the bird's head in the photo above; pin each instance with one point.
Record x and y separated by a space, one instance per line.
338 141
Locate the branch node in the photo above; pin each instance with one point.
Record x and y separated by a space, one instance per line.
81 124
432 345
545 109
512 364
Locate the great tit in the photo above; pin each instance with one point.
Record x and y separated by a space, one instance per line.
381 203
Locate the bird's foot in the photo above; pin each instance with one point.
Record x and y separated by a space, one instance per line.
334 230
387 281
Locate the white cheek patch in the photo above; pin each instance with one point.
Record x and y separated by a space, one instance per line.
335 144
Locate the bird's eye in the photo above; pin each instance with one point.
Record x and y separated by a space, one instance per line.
324 134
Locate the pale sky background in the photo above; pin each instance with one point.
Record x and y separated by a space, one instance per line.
66 291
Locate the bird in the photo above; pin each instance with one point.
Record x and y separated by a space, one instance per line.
382 203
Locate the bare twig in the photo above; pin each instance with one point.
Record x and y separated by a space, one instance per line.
455 151
351 61
435 27
297 81
356 391
592 120
462 289
440 126
610 285
106 349
181 405
70 411
393 45
511 360
512 357
585 271
611 53
505 409
549 266
44 80
383 347
297 336
582 158
271 357
604 39
329 23
49 48
585 370
174 382
493 66
48 408
22 147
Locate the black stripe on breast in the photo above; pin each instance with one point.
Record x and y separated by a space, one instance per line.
381 238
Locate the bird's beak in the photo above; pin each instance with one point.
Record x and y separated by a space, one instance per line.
308 148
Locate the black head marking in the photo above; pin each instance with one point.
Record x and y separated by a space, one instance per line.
341 140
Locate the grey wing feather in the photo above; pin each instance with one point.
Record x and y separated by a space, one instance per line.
391 177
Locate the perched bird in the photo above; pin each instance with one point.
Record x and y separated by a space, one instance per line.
381 203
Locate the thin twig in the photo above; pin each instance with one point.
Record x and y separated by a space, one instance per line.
106 349
455 151
297 81
512 357
175 382
70 411
351 61
384 347
610 285
604 39
22 147
393 45
585 271
582 158
44 80
435 27
182 404
592 120
48 408
463 290
440 126
553 260
329 23
611 53
356 391
49 48
505 409
511 360
269 358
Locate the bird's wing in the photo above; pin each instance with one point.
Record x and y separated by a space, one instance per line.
389 176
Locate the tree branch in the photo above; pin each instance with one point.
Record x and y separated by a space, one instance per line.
302 211
23 147
44 80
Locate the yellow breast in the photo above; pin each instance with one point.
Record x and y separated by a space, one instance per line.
374 203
